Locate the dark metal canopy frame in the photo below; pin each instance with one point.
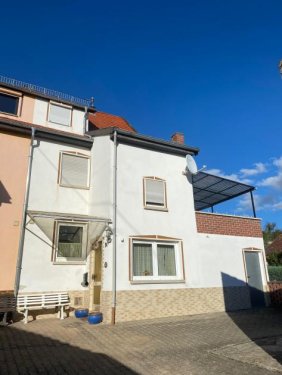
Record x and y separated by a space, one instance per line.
210 190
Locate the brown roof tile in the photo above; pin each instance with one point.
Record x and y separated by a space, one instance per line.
101 120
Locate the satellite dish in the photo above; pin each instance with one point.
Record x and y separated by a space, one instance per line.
191 165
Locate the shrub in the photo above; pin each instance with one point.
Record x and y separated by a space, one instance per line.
274 259
275 273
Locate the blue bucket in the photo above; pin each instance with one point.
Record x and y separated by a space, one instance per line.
95 318
81 313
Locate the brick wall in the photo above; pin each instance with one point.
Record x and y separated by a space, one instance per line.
159 303
228 225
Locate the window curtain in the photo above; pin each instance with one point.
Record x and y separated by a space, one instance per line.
70 241
70 250
142 260
166 260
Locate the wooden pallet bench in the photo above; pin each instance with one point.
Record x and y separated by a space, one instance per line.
7 304
26 302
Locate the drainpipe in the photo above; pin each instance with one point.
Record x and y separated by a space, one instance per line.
114 292
85 125
24 215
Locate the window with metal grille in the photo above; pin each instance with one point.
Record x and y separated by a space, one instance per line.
74 171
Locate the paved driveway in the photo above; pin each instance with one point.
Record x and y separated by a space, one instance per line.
248 342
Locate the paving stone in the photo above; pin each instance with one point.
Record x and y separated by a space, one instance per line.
245 342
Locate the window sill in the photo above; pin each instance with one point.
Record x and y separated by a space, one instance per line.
134 282
57 123
9 114
69 263
75 187
164 209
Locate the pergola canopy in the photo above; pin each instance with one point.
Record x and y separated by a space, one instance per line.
210 190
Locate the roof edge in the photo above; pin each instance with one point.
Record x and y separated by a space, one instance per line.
146 141
47 134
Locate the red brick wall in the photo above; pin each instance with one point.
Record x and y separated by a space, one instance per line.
228 225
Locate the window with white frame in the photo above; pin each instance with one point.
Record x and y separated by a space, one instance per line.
74 170
59 114
71 242
156 260
9 104
154 193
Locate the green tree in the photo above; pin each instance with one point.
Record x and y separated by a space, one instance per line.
270 232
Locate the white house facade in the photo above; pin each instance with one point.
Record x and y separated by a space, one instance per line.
115 219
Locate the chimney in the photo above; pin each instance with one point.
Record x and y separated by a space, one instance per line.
178 138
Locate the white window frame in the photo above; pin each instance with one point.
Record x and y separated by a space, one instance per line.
79 155
179 277
154 206
15 95
60 105
70 260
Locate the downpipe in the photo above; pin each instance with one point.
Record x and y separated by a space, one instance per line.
114 292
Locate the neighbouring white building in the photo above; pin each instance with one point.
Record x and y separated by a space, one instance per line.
113 220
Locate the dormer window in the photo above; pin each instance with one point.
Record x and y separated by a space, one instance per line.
59 114
9 104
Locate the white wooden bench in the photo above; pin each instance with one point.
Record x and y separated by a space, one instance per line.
7 304
26 302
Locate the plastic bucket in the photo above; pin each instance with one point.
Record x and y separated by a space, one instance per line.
95 318
81 313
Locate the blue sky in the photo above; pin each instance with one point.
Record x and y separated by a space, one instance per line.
206 68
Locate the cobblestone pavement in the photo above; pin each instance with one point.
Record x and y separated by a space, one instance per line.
248 342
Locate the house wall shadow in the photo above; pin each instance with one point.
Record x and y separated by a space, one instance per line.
257 321
4 195
25 352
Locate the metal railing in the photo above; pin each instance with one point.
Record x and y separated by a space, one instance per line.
43 91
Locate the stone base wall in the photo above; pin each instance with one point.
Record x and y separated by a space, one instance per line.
79 298
159 303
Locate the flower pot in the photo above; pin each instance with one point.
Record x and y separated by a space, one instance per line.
81 313
95 318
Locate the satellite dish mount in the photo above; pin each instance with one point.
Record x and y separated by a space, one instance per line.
191 166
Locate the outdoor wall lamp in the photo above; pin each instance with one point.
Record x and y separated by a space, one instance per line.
109 233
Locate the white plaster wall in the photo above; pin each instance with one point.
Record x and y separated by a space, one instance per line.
40 117
39 274
101 192
40 112
220 260
45 192
78 121
132 219
207 258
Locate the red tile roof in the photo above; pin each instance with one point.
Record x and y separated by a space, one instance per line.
101 120
275 246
